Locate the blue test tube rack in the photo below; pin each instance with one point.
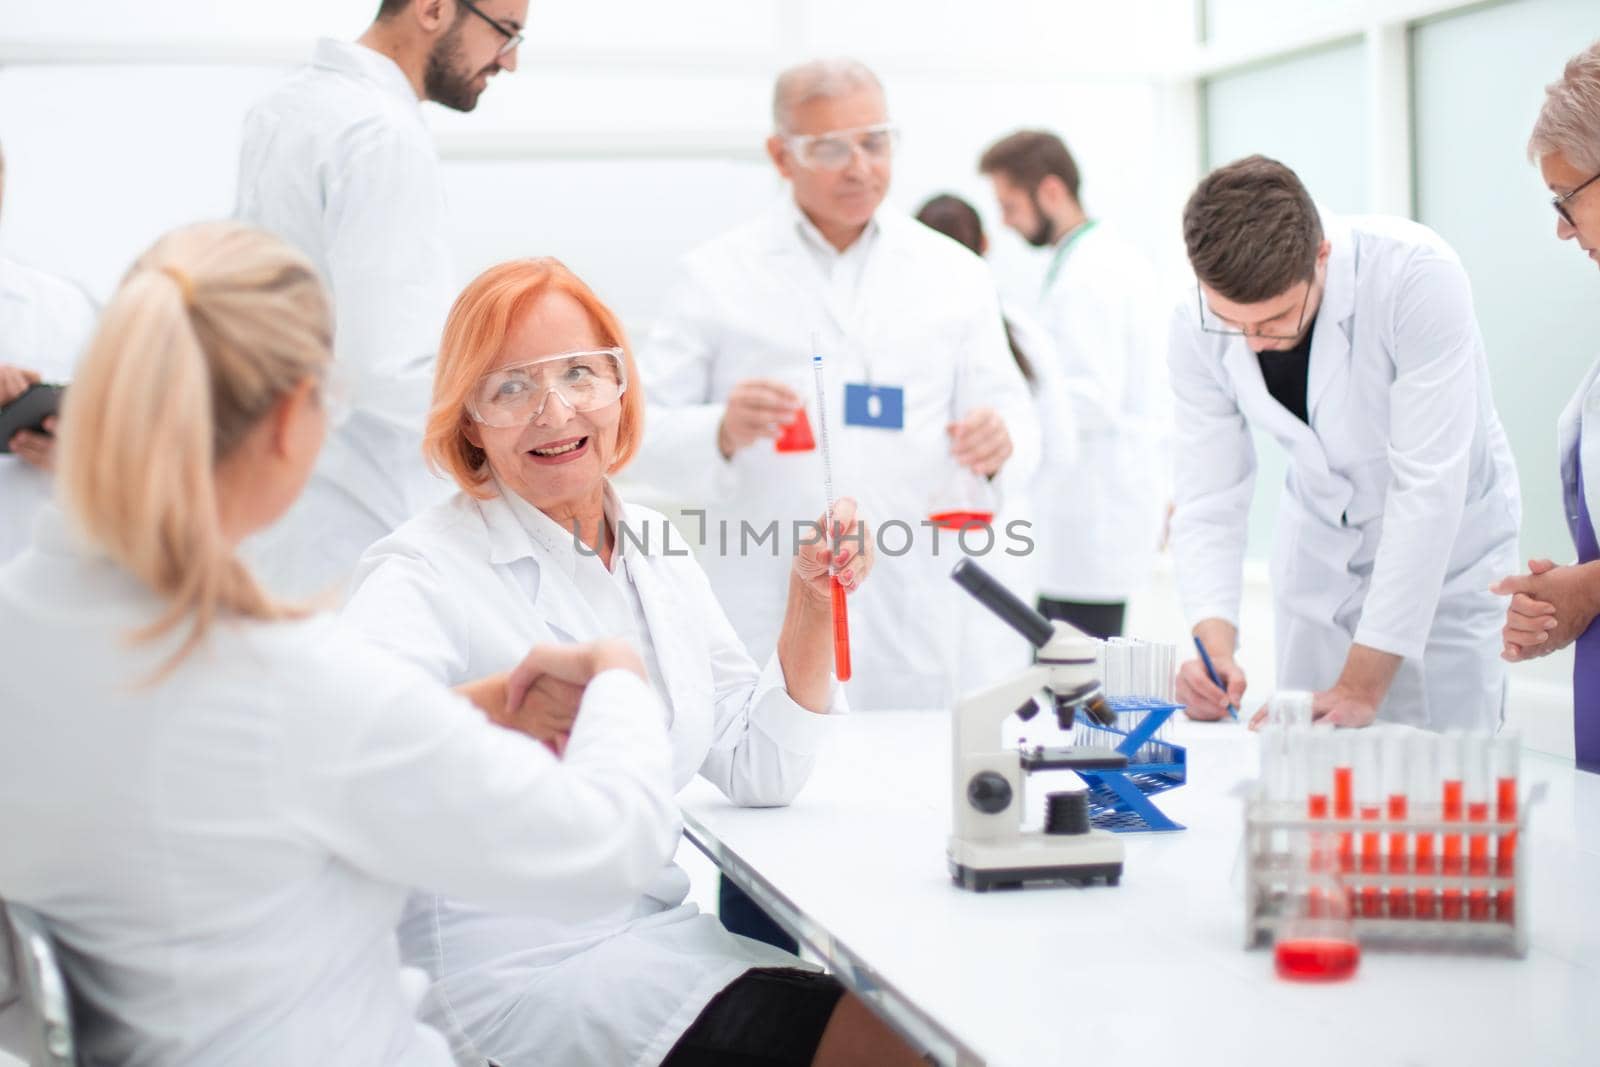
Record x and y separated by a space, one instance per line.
1120 800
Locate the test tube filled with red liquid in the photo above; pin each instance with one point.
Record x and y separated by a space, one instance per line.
1507 753
1369 808
1344 795
1475 781
1451 809
1311 759
1396 783
1424 775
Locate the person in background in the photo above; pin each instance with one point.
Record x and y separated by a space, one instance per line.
925 404
995 651
217 800
1100 526
1353 342
337 161
44 322
1553 606
535 410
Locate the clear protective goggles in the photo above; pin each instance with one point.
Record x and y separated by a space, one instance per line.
835 149
517 394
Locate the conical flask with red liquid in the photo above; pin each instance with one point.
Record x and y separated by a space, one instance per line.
796 436
964 500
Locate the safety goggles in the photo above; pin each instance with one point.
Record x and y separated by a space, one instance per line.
835 149
516 395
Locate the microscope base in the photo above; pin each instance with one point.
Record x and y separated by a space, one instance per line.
1095 857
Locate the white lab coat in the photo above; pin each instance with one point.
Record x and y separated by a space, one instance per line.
45 322
1578 436
925 317
337 162
459 590
1401 503
1100 519
222 856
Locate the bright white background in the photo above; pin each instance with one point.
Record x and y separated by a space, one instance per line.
633 130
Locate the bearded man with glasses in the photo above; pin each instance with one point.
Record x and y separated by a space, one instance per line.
338 162
1354 344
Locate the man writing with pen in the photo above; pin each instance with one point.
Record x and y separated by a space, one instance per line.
1353 343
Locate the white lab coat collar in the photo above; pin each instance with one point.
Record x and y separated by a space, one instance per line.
1330 352
515 526
359 61
1330 345
813 236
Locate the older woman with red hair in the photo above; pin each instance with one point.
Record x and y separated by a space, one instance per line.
534 409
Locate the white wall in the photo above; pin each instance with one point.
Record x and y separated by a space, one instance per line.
632 129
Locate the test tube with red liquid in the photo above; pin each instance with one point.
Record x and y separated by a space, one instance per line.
1424 790
1451 809
1507 752
841 611
1475 780
1396 783
1344 796
1369 808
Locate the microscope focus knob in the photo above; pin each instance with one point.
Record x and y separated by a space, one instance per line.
989 792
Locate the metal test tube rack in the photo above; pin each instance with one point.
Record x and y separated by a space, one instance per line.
1277 845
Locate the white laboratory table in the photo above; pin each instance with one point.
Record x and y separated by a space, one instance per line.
1153 970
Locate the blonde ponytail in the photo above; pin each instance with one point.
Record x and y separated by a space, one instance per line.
208 331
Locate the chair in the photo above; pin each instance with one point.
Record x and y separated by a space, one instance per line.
44 1009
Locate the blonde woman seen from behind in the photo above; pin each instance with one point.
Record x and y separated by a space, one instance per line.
217 801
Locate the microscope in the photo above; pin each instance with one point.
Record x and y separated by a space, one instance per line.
988 846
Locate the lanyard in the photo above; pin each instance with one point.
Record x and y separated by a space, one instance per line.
1061 252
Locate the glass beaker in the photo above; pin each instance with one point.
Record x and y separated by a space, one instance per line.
963 499
1316 939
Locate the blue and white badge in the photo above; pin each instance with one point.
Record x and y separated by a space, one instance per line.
882 407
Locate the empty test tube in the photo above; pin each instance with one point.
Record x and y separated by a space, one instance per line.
1290 707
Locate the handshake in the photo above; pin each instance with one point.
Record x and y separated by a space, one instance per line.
540 696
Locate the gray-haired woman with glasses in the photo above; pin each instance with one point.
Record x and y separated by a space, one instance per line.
1552 607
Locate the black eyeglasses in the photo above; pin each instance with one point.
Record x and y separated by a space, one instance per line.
1206 323
513 38
1560 202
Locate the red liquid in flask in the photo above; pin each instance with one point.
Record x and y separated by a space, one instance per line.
960 519
1317 959
796 437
